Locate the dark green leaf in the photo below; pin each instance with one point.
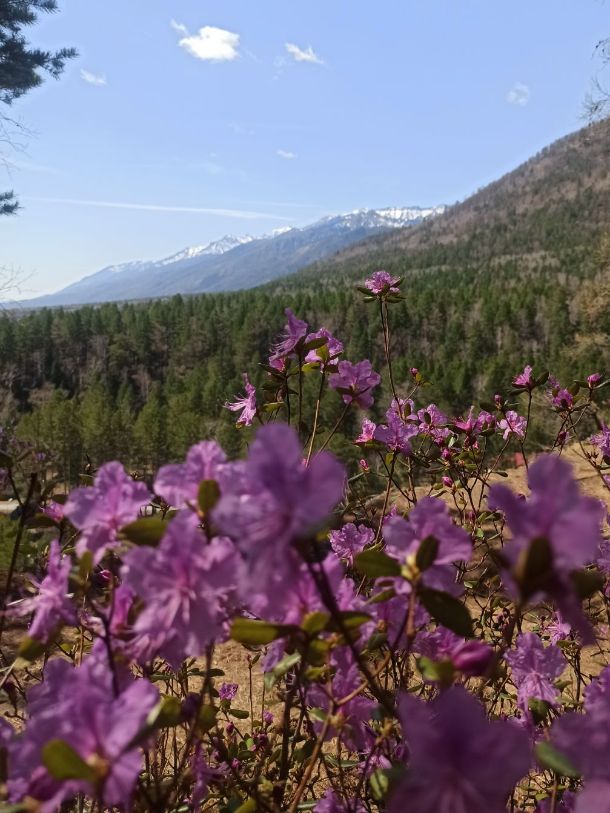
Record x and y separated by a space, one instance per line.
256 633
145 531
426 553
448 611
376 563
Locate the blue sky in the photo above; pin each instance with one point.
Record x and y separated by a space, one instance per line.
181 122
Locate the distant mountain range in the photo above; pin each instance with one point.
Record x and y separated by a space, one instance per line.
232 263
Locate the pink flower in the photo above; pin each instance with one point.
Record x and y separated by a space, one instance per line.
525 379
247 404
179 482
593 380
367 433
534 667
350 540
457 759
602 441
295 331
333 347
382 283
513 424
100 511
51 605
355 382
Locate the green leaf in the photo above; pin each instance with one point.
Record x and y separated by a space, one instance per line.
274 406
539 709
379 783
166 714
426 553
553 760
376 563
239 714
30 649
249 806
350 620
145 531
62 762
313 623
314 344
257 633
281 668
436 671
208 495
448 611
587 582
207 717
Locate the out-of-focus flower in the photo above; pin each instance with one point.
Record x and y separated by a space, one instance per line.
51 606
534 668
350 540
101 510
246 404
179 483
471 658
557 519
602 441
276 501
332 803
457 759
79 707
355 382
593 380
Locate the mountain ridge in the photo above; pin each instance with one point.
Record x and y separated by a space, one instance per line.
233 262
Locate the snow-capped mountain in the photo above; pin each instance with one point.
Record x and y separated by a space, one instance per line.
234 262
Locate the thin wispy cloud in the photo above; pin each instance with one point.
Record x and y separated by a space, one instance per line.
97 79
518 95
303 54
287 154
210 44
28 166
153 207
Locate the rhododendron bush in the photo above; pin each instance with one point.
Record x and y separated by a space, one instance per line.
431 640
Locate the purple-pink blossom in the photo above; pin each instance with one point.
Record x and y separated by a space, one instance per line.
380 282
246 404
79 706
350 540
513 424
428 519
52 605
355 382
534 669
101 510
602 440
276 501
469 657
188 588
179 483
525 380
332 348
293 336
569 522
457 759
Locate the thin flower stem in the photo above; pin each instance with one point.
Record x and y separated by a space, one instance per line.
312 760
335 427
316 417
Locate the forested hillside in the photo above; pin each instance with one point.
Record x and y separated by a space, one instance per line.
519 273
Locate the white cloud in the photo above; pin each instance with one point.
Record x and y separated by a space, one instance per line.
99 80
303 55
180 28
286 154
519 94
209 44
152 207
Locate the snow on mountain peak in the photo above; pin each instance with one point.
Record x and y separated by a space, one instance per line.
216 248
